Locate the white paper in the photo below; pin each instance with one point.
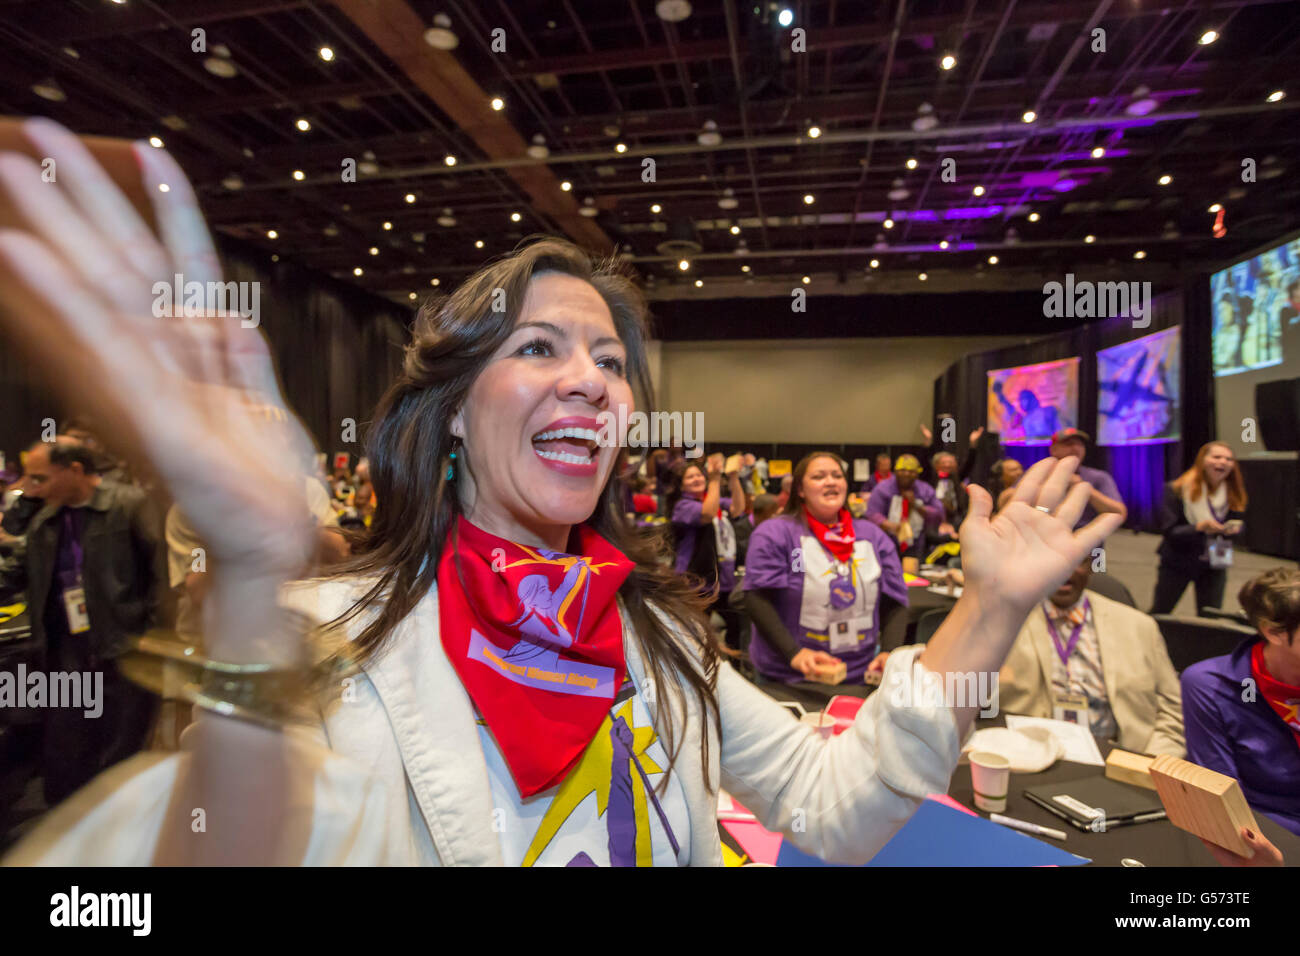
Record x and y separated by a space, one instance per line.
943 589
861 469
1078 741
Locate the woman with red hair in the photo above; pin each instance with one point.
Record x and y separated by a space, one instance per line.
1202 511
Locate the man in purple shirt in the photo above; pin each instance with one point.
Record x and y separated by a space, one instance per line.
1105 493
903 499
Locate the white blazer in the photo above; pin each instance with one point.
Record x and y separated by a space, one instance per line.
404 781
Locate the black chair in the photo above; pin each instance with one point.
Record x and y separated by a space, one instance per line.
1218 614
1112 587
929 623
1190 639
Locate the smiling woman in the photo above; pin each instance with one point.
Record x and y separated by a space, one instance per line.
522 648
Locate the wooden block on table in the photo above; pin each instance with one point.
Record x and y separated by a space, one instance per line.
1204 802
1130 768
831 675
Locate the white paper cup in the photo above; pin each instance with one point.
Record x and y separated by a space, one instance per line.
990 776
822 722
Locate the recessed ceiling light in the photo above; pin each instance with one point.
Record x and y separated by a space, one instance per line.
275 257
1140 254
809 199
156 142
447 219
299 175
412 296
325 53
515 217
566 185
272 234
656 209
1208 37
588 208
498 103
538 149
1165 180
814 132
925 118
233 182
356 271
374 250
993 260
874 263
303 125
744 268
709 135
699 283
923 277
435 281
449 160
478 243
620 147
735 230
785 17
388 225
49 90
1028 116
219 66
1098 152
911 164
889 224
1215 208
728 199
410 197
673 11
978 190
1276 95
684 264
806 280
943 244
948 61
440 35
1034 217
1090 238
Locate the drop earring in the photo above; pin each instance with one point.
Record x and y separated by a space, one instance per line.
451 463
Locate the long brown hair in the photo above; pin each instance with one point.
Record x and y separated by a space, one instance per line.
1192 482
409 446
794 504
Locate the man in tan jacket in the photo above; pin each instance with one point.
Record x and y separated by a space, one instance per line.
1082 656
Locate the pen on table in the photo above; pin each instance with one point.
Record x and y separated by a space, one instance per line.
1026 827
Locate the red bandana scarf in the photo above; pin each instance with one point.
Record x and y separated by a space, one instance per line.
537 641
1283 698
837 538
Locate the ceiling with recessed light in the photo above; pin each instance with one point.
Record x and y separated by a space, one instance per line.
940 138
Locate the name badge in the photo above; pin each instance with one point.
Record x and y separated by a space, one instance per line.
74 602
1219 552
1072 708
846 634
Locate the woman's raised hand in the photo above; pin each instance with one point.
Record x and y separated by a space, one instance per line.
1026 551
195 396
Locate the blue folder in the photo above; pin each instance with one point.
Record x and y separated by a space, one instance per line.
941 836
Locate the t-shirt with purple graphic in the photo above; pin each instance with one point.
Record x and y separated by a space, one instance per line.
709 553
826 605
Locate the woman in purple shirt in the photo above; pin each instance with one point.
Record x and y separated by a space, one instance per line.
703 536
1240 711
820 583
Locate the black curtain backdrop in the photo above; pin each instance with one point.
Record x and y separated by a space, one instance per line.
337 349
1139 470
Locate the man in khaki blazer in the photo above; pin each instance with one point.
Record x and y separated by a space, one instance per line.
1141 685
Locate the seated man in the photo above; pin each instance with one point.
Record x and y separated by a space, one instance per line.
1241 709
905 507
1084 657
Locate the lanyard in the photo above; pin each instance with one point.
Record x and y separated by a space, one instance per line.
1067 649
74 546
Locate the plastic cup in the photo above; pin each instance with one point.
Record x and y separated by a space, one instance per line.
990 776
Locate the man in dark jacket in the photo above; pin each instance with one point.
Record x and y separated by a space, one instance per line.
93 568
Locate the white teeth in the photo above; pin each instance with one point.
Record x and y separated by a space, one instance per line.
585 433
563 456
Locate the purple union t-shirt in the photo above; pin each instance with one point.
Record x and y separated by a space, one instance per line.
687 528
786 556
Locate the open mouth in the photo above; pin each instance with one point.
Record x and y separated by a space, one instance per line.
574 446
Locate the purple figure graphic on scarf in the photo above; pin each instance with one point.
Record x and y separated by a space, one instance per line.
540 626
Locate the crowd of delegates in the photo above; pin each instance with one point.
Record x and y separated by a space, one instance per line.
806 579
